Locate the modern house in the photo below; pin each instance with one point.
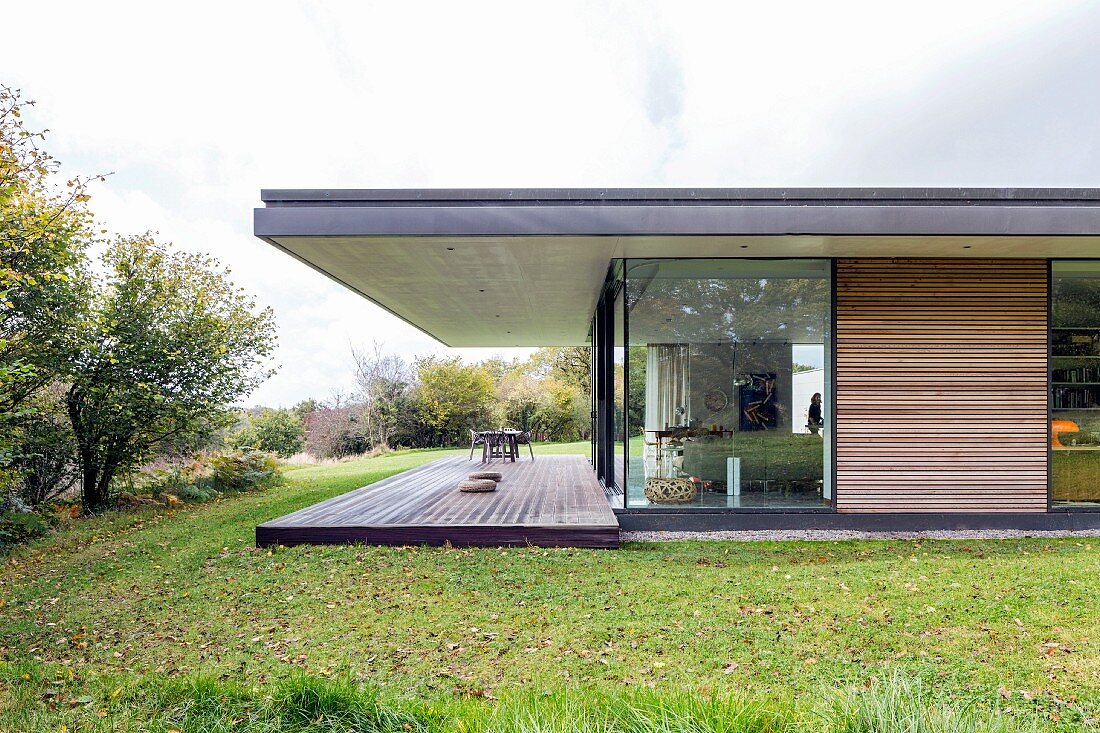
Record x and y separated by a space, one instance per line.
770 358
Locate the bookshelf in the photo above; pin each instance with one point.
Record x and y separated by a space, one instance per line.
1075 369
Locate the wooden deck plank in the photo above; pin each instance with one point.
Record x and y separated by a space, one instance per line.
553 501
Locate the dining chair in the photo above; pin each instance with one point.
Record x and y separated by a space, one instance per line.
476 439
524 438
493 446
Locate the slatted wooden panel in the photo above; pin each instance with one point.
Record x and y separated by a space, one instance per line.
941 386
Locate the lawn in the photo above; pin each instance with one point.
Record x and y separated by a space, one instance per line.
172 619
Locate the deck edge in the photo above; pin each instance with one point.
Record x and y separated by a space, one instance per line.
597 537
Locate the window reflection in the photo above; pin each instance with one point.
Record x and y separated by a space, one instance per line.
728 388
1075 384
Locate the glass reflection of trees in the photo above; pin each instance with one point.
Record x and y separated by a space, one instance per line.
1075 302
689 310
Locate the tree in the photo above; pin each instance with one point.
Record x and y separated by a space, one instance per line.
164 342
455 397
44 229
500 369
335 431
384 381
571 365
274 431
305 407
636 376
562 413
519 397
730 309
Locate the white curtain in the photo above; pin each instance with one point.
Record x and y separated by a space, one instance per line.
666 385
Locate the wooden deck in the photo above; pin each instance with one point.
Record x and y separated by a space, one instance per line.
553 501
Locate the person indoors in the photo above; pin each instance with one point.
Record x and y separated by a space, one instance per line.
814 421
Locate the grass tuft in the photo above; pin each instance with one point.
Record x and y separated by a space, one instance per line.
904 705
304 704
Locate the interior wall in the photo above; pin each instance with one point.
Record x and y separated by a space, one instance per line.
712 369
716 366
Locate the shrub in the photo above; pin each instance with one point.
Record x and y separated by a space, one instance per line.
181 481
243 470
206 478
16 527
277 431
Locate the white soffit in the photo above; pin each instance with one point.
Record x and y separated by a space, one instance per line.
538 291
542 290
861 246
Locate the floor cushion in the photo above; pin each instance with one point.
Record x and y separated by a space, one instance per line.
477 485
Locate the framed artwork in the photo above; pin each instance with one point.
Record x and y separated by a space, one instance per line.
759 407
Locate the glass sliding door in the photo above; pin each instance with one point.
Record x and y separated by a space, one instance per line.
1075 384
728 383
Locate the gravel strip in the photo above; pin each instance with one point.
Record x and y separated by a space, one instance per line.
819 535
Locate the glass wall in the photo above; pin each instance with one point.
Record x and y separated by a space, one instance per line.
728 383
1075 383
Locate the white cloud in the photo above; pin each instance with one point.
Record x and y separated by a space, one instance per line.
196 107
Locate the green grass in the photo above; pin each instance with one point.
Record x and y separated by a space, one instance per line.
307 703
162 619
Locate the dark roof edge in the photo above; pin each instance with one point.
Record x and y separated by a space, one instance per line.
367 197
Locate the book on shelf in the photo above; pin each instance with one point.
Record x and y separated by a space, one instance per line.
1076 374
1069 398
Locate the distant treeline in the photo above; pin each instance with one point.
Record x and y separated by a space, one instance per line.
430 402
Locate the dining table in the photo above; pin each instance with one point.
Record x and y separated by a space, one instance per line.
499 444
679 433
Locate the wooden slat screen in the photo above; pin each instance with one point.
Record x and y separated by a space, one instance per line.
941 385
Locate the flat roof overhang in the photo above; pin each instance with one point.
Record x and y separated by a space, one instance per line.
523 267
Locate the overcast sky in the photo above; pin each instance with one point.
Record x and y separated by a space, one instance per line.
196 106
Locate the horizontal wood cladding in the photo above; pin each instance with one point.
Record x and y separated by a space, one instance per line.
941 385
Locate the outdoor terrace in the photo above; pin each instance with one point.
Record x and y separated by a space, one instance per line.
553 501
